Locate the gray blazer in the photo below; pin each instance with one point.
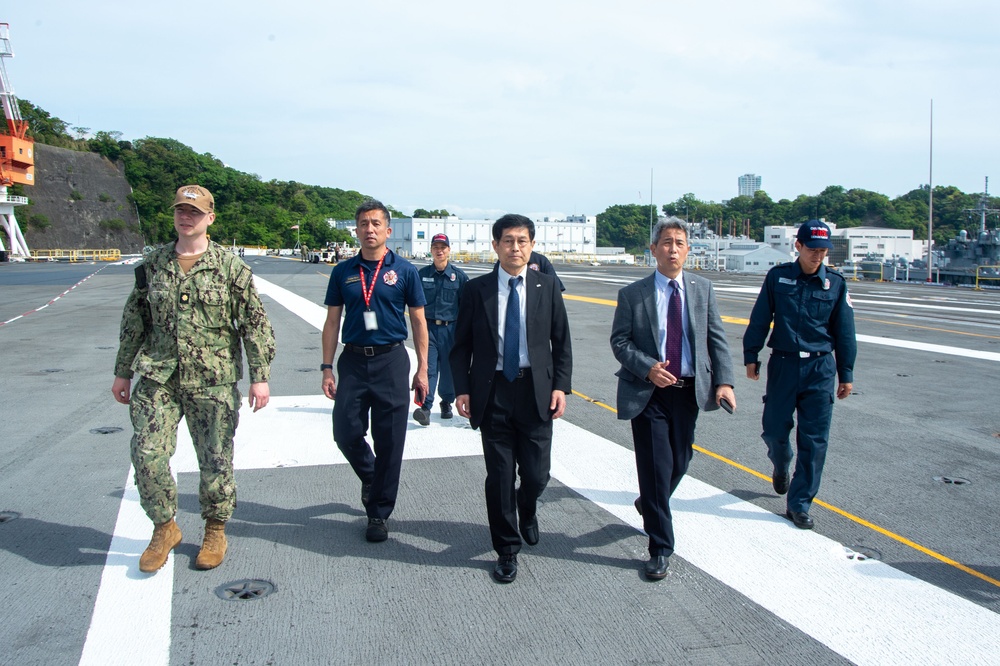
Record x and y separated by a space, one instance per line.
635 335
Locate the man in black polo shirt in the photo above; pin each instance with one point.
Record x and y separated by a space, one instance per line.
372 290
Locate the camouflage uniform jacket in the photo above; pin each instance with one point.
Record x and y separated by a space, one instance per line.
192 324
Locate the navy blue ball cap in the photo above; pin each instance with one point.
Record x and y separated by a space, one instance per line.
814 234
440 238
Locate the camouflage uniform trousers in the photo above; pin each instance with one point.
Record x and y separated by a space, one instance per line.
212 416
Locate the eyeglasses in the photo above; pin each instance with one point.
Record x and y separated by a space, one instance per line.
511 242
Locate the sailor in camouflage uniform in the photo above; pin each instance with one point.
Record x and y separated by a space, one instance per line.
193 303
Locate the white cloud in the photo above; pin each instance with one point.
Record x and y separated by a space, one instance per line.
529 106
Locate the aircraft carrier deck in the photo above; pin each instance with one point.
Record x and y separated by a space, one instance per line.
903 566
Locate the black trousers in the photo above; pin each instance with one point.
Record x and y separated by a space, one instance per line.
376 385
516 443
662 435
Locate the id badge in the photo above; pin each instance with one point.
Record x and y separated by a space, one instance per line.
371 322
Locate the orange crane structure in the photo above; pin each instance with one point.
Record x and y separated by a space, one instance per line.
17 156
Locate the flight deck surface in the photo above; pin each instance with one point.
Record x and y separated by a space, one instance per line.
903 565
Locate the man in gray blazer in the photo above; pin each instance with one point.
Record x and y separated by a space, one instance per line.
668 337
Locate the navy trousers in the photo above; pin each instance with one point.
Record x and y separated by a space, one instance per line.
439 343
806 388
377 385
662 436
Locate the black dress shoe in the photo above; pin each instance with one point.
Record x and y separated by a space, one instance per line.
377 531
422 416
780 481
506 569
656 568
446 412
529 531
638 505
800 518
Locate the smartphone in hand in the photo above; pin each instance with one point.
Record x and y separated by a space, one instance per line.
418 396
726 405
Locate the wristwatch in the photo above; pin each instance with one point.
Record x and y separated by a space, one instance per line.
325 366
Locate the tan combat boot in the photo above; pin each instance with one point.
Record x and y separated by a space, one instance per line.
165 537
213 548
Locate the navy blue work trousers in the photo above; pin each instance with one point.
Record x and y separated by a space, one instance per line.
440 340
806 388
375 385
662 436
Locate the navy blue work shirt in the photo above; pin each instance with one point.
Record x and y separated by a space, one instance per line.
811 313
397 286
442 289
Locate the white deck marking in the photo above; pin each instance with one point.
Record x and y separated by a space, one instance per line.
866 611
132 609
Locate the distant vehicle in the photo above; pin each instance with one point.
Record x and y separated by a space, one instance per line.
325 256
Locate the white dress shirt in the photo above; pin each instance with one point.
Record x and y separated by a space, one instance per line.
503 287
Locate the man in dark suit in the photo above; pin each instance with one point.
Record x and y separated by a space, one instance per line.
511 365
668 337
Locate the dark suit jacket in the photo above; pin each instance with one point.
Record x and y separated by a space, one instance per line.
635 343
475 353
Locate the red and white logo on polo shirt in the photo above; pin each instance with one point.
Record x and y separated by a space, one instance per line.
390 278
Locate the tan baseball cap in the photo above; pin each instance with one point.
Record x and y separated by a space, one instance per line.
197 196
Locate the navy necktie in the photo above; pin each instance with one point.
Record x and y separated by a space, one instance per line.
675 328
512 332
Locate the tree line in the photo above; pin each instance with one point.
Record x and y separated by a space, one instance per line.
628 225
249 211
253 212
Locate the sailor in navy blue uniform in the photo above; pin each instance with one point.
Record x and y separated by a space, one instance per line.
371 290
442 283
813 347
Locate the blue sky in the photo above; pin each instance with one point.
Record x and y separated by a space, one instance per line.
542 108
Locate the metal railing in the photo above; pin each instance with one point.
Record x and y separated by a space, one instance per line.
13 199
993 276
76 255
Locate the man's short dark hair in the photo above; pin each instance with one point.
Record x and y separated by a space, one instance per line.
668 223
369 205
512 221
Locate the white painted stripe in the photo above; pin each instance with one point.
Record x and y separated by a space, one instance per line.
866 611
926 306
132 609
313 313
936 349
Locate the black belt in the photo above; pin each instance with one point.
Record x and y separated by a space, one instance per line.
800 354
371 351
440 322
522 373
683 382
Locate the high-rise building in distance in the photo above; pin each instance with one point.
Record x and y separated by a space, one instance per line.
749 183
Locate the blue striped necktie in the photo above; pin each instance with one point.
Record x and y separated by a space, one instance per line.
512 332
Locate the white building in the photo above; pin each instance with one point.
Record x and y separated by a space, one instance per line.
879 243
411 236
758 259
851 244
710 254
748 184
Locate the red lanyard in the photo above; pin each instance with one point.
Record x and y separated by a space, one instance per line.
367 291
